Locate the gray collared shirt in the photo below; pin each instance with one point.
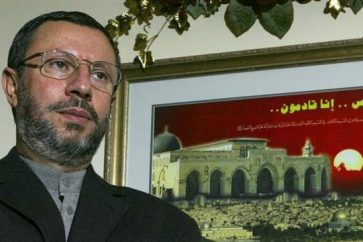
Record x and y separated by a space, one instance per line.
64 187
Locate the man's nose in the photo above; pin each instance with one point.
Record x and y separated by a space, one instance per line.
79 84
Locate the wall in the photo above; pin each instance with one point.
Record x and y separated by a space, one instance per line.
208 35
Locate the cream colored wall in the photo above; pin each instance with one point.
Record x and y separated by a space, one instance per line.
207 35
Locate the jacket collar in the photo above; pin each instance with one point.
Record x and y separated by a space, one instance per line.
100 206
21 189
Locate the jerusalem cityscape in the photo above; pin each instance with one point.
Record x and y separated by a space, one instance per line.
283 218
242 190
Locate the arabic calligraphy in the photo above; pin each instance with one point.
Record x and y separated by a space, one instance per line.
357 104
310 105
298 123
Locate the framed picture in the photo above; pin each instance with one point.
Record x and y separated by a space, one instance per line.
252 143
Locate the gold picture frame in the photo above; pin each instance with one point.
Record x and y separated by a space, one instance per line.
116 147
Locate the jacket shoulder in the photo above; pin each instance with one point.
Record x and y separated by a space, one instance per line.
151 213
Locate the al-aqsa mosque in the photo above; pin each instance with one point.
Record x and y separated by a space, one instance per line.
235 168
339 221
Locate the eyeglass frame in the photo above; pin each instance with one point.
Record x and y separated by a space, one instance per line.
78 60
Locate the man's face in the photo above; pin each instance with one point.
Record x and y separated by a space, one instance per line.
64 120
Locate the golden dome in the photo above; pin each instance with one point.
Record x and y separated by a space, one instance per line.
339 216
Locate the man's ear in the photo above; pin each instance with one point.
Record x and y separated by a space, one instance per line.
114 93
10 85
113 97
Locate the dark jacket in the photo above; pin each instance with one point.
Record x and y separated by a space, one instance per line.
104 212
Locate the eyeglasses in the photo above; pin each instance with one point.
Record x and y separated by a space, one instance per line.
61 65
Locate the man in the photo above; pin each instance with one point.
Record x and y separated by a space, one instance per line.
62 71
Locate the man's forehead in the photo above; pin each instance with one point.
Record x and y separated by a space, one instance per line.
64 35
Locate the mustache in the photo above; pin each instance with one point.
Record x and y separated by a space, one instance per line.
75 102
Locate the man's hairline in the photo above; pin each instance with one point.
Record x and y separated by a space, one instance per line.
34 32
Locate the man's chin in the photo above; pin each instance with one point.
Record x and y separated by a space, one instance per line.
75 127
74 133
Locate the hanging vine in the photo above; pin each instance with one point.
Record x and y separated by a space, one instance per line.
275 16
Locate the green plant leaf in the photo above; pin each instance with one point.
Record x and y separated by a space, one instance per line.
125 22
200 8
196 10
335 7
239 18
144 59
180 22
278 20
140 42
141 10
355 5
113 28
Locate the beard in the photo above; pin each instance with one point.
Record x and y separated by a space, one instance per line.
65 148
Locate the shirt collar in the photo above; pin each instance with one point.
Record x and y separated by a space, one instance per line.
56 180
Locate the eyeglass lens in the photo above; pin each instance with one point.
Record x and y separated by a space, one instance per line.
61 65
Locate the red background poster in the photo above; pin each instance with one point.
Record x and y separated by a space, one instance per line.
331 120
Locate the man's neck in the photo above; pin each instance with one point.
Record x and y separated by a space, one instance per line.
25 151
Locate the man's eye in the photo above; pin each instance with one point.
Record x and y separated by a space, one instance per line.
58 64
100 75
